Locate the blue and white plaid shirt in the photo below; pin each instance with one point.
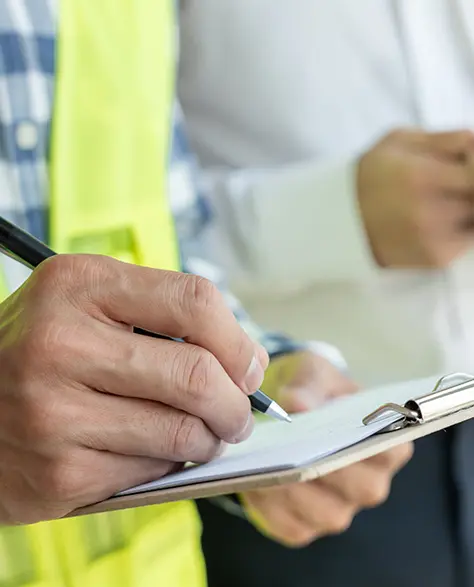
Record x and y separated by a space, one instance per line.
27 71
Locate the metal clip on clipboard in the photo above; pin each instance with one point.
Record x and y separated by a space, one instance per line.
446 398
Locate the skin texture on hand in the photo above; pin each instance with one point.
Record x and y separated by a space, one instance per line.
88 407
416 198
300 513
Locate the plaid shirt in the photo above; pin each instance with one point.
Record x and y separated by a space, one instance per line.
27 70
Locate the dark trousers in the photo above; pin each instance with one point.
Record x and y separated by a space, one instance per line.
413 540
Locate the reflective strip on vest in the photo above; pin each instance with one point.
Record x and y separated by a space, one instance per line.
108 175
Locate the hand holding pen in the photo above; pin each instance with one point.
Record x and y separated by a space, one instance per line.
91 407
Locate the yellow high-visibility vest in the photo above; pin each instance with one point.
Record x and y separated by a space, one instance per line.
109 155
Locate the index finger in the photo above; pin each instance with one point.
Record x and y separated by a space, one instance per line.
394 459
182 306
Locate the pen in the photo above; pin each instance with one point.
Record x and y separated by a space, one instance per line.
29 251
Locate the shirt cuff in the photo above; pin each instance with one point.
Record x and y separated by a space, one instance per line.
310 225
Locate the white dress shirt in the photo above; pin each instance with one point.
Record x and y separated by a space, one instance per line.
281 97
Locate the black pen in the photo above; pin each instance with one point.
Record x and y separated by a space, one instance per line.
29 251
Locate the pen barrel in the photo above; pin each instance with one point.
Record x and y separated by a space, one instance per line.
260 402
22 245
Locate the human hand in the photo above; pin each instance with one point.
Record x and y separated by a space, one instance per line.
416 198
304 380
299 513
89 408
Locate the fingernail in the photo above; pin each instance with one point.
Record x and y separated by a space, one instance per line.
247 431
262 356
254 376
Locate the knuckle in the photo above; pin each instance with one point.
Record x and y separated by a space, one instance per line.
200 295
53 269
340 521
377 492
407 451
61 269
396 135
71 278
401 455
61 482
297 537
393 135
186 434
199 373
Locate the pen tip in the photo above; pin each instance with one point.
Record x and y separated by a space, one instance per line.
278 412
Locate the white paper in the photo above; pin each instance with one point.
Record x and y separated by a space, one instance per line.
276 446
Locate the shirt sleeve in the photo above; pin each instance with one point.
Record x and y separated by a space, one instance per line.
280 231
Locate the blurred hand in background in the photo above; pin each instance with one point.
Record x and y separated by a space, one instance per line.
416 196
297 514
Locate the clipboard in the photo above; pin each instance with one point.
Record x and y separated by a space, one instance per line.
449 402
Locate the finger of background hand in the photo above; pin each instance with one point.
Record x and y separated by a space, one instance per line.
319 507
452 178
272 517
322 375
395 458
143 428
181 306
453 215
180 375
315 380
368 483
364 484
450 144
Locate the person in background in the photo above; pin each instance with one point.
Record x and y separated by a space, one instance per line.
87 407
336 141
